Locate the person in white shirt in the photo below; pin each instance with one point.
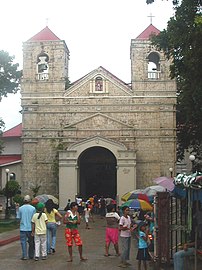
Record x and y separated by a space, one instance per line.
125 237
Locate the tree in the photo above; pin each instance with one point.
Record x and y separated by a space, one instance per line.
9 80
11 189
181 42
9 75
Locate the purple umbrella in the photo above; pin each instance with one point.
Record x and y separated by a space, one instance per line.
165 182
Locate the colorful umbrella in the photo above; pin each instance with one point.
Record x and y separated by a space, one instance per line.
165 182
136 194
138 204
44 198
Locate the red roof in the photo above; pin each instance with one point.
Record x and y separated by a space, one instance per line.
6 159
13 132
150 30
45 34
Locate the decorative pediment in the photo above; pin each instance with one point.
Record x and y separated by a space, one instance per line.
98 141
99 81
99 121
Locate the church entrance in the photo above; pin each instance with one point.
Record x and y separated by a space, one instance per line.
97 173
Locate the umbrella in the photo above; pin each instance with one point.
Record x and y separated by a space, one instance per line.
136 194
152 190
138 204
44 198
165 182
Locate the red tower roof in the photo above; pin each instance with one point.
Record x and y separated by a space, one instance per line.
13 132
150 30
45 34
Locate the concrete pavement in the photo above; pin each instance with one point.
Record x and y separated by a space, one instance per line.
93 249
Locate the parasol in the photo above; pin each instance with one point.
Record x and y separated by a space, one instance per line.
44 198
152 190
138 204
136 194
165 182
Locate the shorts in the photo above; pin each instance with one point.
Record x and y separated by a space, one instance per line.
112 235
72 234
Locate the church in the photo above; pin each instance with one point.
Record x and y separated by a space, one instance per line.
97 135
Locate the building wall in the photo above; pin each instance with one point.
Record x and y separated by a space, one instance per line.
141 118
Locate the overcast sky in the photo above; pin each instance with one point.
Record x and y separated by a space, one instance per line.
97 33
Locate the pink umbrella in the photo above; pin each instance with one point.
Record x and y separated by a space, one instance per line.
165 182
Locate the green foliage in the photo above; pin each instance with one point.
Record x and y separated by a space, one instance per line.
18 199
35 190
67 83
9 81
181 42
57 146
9 75
11 188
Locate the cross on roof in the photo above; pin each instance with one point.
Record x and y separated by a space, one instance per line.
151 16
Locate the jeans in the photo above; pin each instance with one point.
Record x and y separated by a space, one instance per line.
179 258
25 236
51 235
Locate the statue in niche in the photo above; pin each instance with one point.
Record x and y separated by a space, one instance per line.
98 84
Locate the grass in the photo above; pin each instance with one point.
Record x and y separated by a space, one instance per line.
8 225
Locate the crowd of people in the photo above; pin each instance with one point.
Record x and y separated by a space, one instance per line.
38 227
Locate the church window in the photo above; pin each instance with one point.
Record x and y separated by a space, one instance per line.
98 84
42 66
153 65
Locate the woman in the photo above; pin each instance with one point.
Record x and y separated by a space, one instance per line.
51 213
112 230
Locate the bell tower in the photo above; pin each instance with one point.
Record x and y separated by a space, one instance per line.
149 67
45 65
45 73
154 94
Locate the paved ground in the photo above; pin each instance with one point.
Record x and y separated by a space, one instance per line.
93 239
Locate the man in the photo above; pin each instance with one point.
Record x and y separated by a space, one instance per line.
25 215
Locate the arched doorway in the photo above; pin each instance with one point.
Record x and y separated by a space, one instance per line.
97 173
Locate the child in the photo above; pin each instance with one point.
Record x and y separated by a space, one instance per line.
39 221
87 215
72 219
142 254
125 236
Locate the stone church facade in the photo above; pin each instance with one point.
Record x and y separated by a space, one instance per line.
99 135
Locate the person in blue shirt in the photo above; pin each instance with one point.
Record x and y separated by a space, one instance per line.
142 254
25 214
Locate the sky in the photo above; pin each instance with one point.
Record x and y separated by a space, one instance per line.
97 33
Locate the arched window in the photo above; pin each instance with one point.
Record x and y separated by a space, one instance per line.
153 65
12 176
42 66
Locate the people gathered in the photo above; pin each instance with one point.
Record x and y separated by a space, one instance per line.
38 228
